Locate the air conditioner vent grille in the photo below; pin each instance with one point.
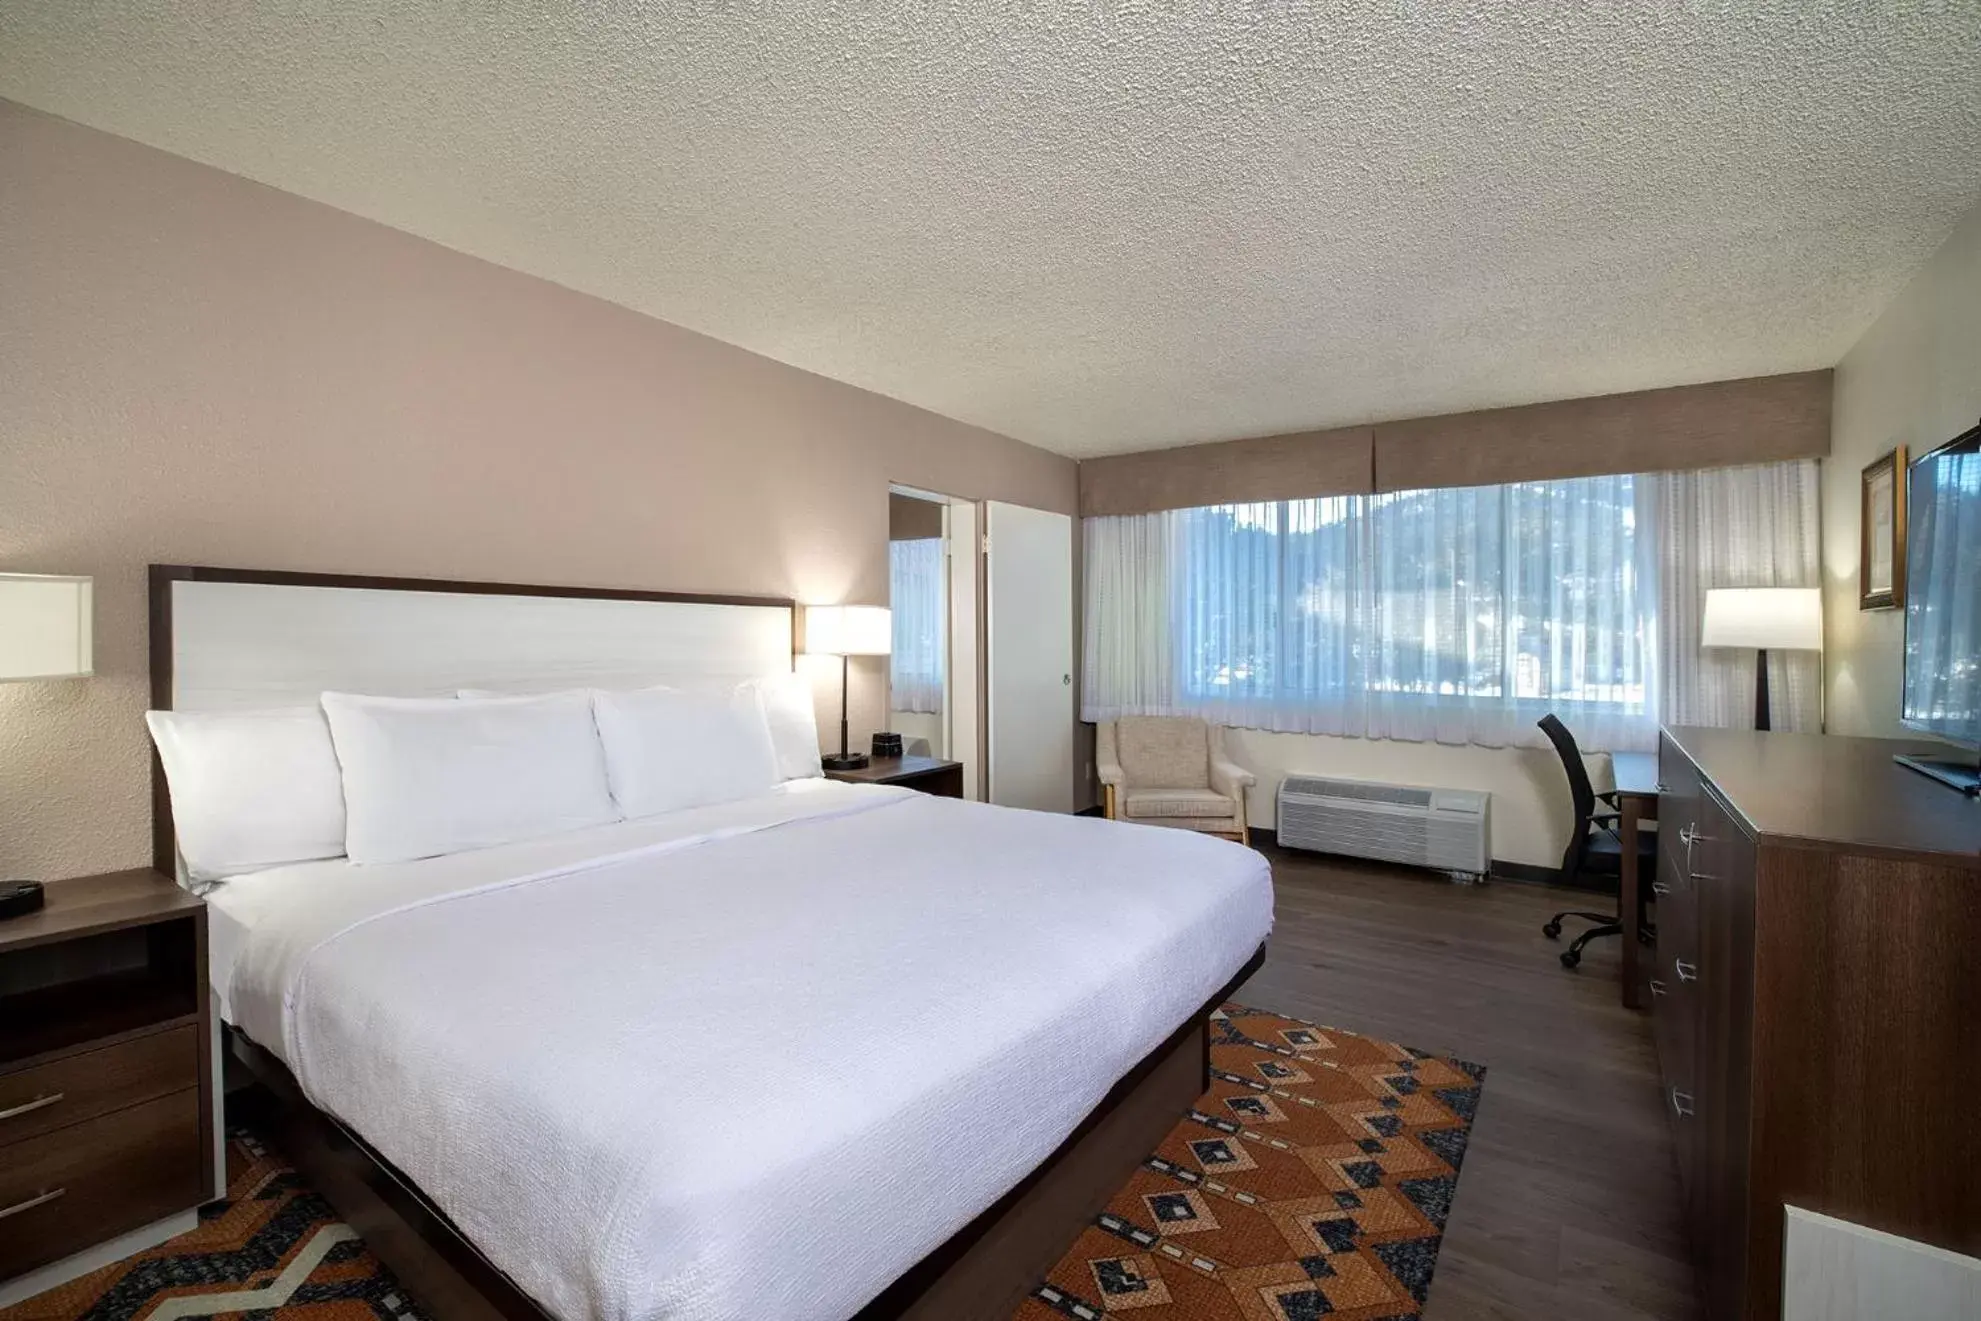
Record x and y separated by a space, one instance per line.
1446 829
1403 795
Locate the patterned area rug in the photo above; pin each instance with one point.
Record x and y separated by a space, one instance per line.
1312 1180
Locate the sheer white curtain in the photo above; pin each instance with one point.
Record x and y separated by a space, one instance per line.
915 595
1271 612
1455 615
1498 604
1126 647
1752 526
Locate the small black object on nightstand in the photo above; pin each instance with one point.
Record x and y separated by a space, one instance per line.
19 898
887 745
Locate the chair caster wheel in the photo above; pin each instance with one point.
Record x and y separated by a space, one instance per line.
1552 930
1569 958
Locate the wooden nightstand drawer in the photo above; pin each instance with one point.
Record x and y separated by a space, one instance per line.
89 1083
65 1190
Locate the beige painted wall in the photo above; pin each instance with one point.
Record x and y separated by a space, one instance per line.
198 369
1913 379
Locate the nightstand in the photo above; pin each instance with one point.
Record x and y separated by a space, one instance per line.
931 775
106 1061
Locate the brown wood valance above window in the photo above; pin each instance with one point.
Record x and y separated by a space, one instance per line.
1299 466
1761 419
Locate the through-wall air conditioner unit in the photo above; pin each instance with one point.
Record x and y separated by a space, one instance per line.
1445 829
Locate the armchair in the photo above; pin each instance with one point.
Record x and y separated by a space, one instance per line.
1171 771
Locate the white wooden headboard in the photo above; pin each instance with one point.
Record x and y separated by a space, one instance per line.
240 639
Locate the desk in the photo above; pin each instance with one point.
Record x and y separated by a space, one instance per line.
1636 776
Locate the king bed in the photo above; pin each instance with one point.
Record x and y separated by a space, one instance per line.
819 1051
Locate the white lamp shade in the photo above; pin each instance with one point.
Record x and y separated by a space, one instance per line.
44 626
1777 618
848 630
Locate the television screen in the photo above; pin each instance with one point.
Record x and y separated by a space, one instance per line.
1943 593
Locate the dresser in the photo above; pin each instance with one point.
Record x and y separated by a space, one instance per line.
1815 994
106 1102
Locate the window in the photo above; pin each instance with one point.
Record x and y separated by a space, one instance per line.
1459 614
916 596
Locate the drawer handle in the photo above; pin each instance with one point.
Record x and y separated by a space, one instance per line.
1657 987
1688 835
29 1107
1659 887
1687 972
1663 788
40 1199
1681 1102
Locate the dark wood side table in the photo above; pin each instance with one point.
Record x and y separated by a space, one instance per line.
931 775
106 1098
1636 776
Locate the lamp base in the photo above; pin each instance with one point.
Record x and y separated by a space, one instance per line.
844 761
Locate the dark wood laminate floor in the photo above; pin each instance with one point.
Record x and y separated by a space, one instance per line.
1568 1205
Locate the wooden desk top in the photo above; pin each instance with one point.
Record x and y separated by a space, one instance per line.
1635 773
1837 791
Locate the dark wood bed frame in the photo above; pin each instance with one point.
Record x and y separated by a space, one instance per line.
981 1273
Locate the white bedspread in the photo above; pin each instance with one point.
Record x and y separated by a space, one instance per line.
742 1062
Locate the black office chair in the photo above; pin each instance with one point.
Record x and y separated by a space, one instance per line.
1594 848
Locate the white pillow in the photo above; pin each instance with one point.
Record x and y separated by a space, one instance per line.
250 789
666 749
425 776
794 729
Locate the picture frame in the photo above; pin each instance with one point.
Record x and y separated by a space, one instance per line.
1881 533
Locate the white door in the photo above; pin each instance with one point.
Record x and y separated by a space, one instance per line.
1030 621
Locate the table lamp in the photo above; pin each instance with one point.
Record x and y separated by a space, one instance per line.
1764 618
44 634
845 631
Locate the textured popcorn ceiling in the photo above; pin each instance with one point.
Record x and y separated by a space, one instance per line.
1108 226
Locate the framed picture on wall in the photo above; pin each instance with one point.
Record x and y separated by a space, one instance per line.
1881 553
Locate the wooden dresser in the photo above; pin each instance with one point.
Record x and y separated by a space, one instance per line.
106 1102
1816 997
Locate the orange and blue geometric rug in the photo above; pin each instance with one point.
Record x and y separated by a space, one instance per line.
1312 1180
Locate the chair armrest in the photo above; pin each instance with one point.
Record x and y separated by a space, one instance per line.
1110 772
1231 779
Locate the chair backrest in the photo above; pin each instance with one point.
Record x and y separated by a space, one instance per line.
1164 752
1580 790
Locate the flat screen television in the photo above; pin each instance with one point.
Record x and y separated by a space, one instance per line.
1943 604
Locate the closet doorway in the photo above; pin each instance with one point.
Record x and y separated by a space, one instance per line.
935 687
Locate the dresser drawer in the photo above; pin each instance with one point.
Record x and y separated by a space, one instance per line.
77 1186
94 1082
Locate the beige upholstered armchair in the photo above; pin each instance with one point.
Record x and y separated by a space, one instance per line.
1171 771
